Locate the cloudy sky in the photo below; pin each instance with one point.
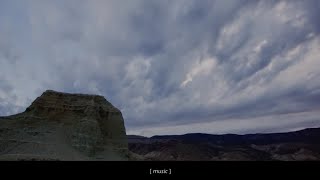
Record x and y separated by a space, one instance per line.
170 66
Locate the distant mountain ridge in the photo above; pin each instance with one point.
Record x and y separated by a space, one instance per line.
297 145
308 135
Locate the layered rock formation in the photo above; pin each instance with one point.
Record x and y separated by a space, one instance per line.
61 126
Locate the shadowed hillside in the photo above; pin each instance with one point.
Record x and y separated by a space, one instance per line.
291 146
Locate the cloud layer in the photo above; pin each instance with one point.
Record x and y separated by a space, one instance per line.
168 63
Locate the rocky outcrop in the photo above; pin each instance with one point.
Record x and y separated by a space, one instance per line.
62 126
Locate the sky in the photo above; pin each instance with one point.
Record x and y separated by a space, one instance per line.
170 66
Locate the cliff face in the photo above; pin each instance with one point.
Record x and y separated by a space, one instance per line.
61 126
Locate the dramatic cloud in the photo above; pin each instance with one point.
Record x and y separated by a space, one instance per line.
170 66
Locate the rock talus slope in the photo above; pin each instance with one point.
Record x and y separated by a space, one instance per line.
61 126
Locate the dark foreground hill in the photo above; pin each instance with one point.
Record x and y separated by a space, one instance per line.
292 146
62 126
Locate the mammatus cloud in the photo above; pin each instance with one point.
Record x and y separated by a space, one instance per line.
236 64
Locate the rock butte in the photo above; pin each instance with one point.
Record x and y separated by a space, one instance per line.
62 126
